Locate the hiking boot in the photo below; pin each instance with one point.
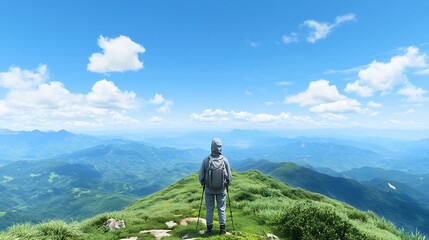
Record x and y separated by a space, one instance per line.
222 229
209 229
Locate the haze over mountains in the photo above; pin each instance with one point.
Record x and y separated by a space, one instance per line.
41 171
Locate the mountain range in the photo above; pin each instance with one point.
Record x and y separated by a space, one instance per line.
260 204
91 175
397 206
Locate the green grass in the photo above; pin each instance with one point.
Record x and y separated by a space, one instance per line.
260 205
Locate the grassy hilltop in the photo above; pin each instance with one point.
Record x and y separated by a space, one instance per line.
260 205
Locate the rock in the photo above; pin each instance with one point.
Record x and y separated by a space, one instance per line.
158 234
131 238
186 237
170 224
272 236
184 222
202 232
112 224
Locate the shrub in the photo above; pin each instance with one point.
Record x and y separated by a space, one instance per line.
305 220
21 231
59 230
358 215
386 225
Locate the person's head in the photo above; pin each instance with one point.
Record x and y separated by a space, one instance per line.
216 146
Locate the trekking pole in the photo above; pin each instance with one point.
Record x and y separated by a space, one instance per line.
201 203
230 209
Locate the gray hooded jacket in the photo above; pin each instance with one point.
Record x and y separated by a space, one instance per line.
216 149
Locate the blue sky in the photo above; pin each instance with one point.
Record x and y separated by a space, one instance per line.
278 65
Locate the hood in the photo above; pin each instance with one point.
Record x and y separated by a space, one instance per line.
216 146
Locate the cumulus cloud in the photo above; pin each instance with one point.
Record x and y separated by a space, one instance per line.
413 93
119 55
384 77
158 99
325 99
318 92
31 101
106 94
16 78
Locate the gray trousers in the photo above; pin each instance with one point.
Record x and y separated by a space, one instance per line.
221 206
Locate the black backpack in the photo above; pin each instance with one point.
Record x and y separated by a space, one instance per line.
216 174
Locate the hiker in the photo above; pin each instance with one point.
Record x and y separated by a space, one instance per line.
215 175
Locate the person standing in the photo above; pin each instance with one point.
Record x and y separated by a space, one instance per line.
215 176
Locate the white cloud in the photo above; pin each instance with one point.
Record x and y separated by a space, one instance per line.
36 103
220 115
165 108
248 93
119 55
340 106
52 95
345 18
320 30
383 77
413 93
251 117
361 90
318 92
344 71
105 94
291 38
210 115
158 99
374 104
18 79
325 99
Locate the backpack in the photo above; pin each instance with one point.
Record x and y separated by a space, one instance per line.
216 174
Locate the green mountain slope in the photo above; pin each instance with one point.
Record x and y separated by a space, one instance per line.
260 205
314 152
395 206
91 181
419 182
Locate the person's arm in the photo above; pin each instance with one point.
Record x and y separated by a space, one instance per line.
202 172
228 172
